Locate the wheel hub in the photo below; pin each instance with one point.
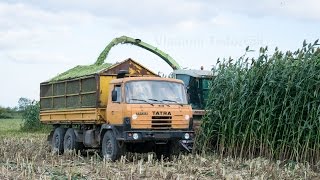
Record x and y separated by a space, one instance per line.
68 142
109 148
57 141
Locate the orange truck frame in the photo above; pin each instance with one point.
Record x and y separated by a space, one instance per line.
117 114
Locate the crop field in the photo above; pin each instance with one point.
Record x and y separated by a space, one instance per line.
27 156
267 106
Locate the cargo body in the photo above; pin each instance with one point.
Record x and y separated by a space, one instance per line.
82 100
118 113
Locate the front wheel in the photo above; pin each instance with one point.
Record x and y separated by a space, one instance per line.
110 147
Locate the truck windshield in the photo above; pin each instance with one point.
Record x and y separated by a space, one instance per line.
155 92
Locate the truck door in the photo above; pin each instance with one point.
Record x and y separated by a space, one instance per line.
114 108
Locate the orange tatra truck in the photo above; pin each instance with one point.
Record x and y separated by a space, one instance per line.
117 114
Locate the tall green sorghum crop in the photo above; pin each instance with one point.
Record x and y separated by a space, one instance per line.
266 106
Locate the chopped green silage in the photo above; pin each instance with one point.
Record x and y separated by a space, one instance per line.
80 71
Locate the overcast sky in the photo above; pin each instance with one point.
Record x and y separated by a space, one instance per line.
39 39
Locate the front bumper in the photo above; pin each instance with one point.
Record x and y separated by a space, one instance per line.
147 135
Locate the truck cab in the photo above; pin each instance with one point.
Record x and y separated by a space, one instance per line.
146 114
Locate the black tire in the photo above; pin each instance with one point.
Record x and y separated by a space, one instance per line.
70 142
57 140
110 147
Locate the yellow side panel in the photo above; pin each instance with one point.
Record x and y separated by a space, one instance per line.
83 115
104 89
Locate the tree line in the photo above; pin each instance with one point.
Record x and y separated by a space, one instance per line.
17 111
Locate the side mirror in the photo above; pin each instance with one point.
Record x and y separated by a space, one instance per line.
114 95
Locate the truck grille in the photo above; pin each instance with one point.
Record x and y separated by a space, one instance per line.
161 122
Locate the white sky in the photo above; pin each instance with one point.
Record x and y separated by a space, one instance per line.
39 39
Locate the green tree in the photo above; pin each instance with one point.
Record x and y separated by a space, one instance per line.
30 117
23 103
5 113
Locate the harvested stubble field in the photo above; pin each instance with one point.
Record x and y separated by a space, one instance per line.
27 156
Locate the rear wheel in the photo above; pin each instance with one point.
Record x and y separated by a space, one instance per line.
57 140
110 147
70 142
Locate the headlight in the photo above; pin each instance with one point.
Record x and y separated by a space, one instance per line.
134 116
186 117
135 136
186 136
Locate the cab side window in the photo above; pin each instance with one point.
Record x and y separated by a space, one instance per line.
117 88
